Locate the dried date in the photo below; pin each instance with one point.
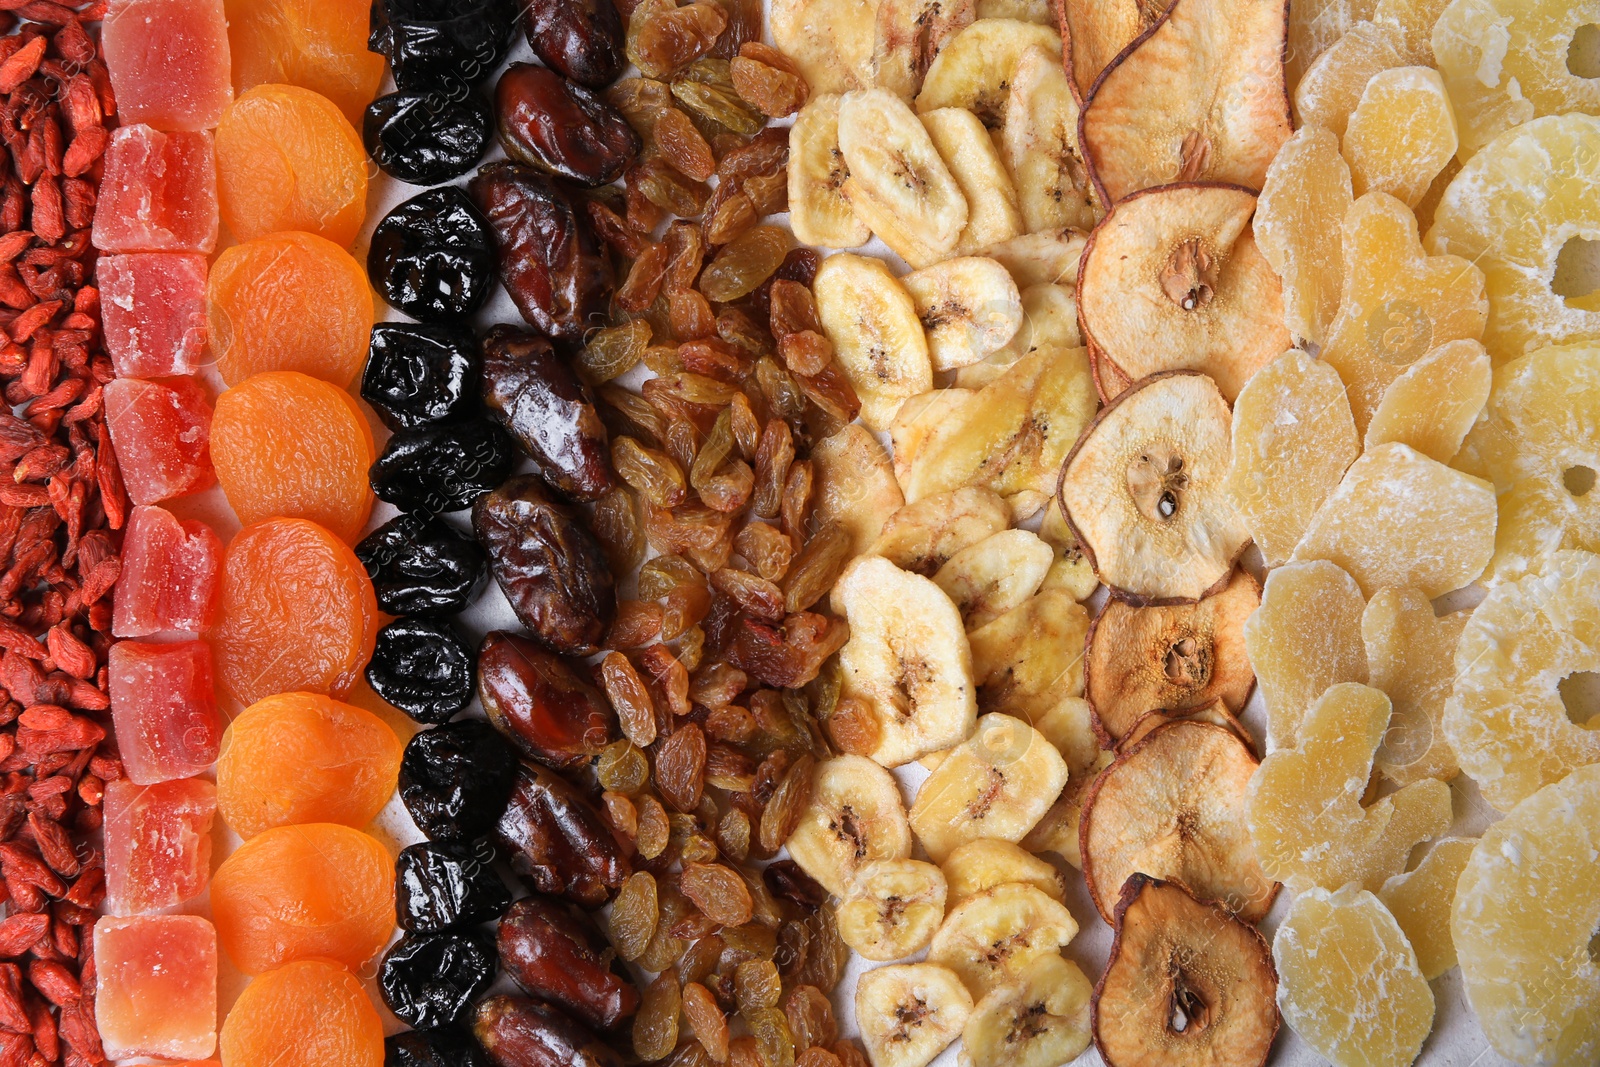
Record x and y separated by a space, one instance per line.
521 1032
558 842
562 128
540 703
548 410
582 39
555 952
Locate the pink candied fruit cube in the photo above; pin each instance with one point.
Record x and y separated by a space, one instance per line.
159 193
153 312
170 62
169 575
156 993
164 709
162 434
158 843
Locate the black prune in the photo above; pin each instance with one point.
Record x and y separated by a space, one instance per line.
440 884
555 952
549 410
418 375
583 39
456 779
561 128
422 667
558 842
444 46
551 263
426 138
433 256
541 704
432 979
442 468
442 1046
548 564
421 565
525 1033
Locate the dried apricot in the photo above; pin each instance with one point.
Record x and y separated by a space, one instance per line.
319 45
307 1014
1411 656
1421 898
297 612
287 159
291 301
304 757
320 890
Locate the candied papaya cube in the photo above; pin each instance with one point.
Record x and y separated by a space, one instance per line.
164 709
158 843
159 193
170 574
162 434
156 993
153 310
169 60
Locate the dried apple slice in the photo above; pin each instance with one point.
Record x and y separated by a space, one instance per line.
976 68
1411 656
1420 901
1215 713
854 485
1435 402
1172 279
1299 225
1174 658
1031 658
1094 33
921 537
1187 983
1401 134
1173 807
993 215
1143 490
1200 97
1040 143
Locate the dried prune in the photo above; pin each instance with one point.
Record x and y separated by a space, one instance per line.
562 128
433 256
418 375
442 468
421 565
431 980
423 667
558 842
440 884
540 702
786 879
525 1033
442 1046
583 39
442 45
455 779
555 952
548 411
548 564
426 138
551 263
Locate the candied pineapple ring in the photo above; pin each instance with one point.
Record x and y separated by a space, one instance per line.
1506 719
1526 910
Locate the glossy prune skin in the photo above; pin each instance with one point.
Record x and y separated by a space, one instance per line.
421 565
420 375
541 703
582 39
548 409
519 1032
548 564
440 884
558 842
556 953
433 257
551 263
442 1046
423 667
432 980
456 779
442 46
442 468
426 138
558 126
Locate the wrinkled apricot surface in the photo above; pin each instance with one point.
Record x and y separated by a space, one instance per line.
297 612
307 1014
291 301
305 757
288 159
286 444
319 891
319 45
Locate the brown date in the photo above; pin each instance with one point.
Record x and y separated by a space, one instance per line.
558 126
551 263
556 953
558 842
519 1032
548 564
548 410
583 39
540 703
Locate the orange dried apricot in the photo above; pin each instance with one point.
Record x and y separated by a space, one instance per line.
305 757
297 612
319 45
290 301
304 892
288 159
286 444
307 1014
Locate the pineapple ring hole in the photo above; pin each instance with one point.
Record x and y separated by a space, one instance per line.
1580 695
1583 53
1578 480
1577 275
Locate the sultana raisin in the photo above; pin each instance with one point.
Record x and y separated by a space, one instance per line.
676 138
733 835
705 89
663 37
655 1028
817 567
731 723
654 828
650 471
744 263
788 804
691 314
613 351
826 956
638 624
806 353
622 768
635 914
680 767
686 250
664 949
852 727
754 594
784 878
774 454
692 647
744 1052
667 188
797 489
744 24
642 286
628 413
757 985
810 1016
850 1053
705 1018
642 102
668 677
768 80
621 813
700 960
630 700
